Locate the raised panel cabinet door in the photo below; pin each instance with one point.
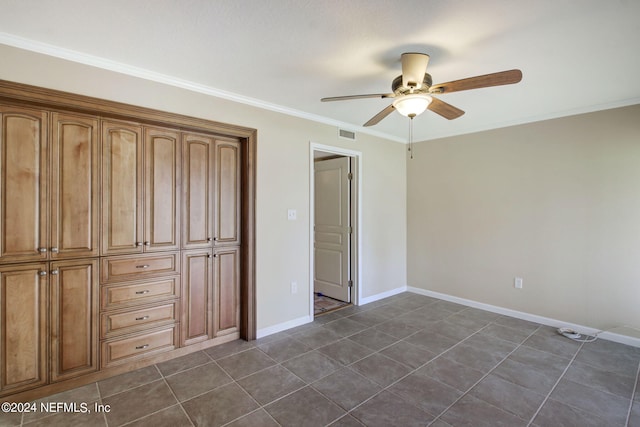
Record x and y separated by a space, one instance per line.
227 291
74 318
197 182
162 194
23 327
23 185
122 188
227 198
197 296
74 186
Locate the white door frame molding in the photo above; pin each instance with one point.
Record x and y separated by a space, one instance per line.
357 171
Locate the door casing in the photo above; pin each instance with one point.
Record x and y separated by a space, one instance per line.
356 220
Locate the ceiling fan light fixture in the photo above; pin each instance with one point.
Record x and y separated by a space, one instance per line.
412 105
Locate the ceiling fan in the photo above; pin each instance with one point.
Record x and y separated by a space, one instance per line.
413 90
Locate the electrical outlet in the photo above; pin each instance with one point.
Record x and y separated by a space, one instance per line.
294 287
517 283
292 215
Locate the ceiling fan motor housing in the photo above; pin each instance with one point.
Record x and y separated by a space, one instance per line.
398 89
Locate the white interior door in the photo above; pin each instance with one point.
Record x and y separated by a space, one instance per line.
332 230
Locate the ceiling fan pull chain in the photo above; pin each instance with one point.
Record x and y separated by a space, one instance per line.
411 116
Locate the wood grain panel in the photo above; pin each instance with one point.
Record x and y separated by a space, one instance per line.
23 184
198 197
162 195
74 318
74 186
23 327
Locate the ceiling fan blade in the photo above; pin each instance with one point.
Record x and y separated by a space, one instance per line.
381 115
487 80
447 111
414 67
344 98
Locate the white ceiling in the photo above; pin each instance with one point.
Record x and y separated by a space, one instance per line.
575 55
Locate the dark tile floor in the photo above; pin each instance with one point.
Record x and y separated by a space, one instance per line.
408 360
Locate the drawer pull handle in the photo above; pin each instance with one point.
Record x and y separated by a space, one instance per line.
143 266
140 347
146 291
142 318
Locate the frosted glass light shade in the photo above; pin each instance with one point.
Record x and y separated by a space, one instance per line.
412 105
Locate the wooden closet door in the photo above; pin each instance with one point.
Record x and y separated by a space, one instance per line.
74 186
23 327
197 296
162 194
74 318
227 291
23 185
227 199
122 189
197 181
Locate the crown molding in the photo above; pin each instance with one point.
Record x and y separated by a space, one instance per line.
119 67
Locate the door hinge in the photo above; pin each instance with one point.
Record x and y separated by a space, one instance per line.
349 175
350 283
349 229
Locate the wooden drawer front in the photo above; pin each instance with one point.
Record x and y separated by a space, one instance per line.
126 349
137 293
119 323
118 269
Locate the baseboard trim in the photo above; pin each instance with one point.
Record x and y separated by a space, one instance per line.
382 295
269 330
609 336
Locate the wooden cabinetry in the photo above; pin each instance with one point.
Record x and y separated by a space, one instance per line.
74 186
23 185
23 327
197 296
140 193
120 237
74 321
49 211
197 184
227 193
227 291
68 291
141 293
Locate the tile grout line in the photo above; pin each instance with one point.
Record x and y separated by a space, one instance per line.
633 394
431 360
533 417
486 375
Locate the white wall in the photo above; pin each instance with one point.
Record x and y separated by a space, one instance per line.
282 178
555 202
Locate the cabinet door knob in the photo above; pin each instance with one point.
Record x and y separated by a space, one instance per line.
147 243
215 239
209 239
42 273
138 243
42 250
54 272
54 250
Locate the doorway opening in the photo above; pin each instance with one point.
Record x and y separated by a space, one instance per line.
334 230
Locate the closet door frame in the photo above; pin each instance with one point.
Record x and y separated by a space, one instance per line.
33 96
